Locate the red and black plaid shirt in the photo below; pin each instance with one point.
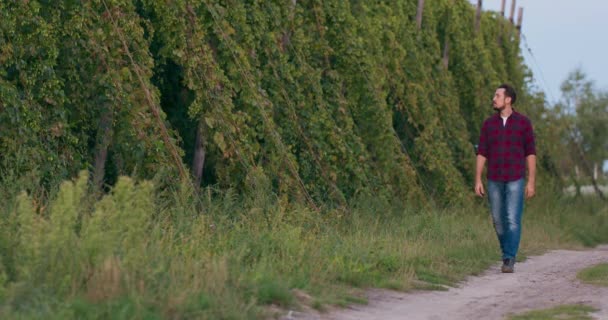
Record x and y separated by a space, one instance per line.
506 147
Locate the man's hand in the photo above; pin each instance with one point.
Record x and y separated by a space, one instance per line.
530 190
480 162
479 189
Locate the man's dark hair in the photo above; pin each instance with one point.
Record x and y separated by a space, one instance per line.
509 92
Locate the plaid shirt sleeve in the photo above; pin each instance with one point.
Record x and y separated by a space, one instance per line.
529 141
482 147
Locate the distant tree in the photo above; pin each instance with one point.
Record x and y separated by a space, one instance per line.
585 120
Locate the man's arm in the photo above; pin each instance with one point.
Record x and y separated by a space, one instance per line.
482 153
531 163
481 161
530 154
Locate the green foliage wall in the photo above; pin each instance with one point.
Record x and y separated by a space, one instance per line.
327 99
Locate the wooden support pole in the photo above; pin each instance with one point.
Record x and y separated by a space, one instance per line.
478 15
198 161
419 14
512 11
501 25
446 42
446 53
520 18
104 138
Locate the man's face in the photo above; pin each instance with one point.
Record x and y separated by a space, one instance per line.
499 101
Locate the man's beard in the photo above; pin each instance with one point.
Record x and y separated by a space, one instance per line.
496 108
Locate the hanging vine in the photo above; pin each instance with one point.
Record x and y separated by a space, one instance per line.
327 100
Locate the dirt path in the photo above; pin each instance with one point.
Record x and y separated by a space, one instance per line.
539 282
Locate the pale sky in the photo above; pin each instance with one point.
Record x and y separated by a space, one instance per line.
562 35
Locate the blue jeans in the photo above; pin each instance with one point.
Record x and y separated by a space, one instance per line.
507 206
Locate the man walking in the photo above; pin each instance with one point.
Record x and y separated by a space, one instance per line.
507 144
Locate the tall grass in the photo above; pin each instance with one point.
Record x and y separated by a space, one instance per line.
137 253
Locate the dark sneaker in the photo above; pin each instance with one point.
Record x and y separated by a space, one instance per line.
508 266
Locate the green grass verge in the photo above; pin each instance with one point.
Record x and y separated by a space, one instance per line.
139 254
565 312
597 275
